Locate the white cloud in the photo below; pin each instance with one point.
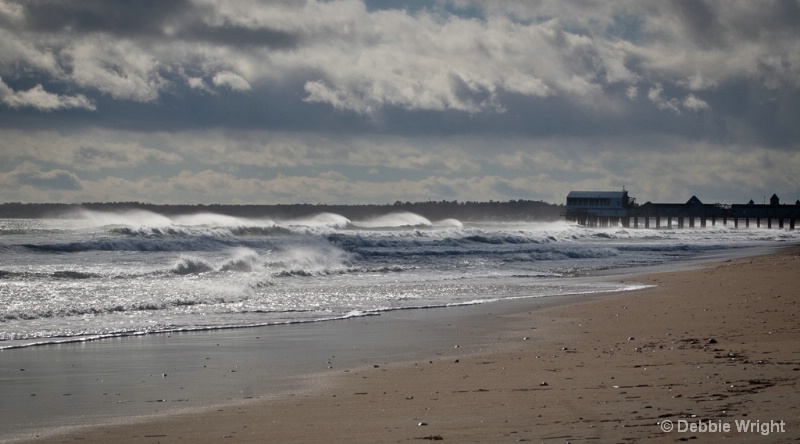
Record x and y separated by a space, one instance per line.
33 54
231 80
696 82
694 103
12 12
197 83
321 93
42 100
120 68
656 95
691 102
428 62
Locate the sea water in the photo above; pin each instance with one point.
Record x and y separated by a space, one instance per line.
99 275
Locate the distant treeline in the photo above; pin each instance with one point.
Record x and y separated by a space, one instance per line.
433 210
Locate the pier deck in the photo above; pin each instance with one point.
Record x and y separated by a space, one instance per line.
691 214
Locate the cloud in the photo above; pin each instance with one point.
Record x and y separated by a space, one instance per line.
333 175
291 168
656 95
231 80
120 69
353 101
11 12
86 150
446 63
693 103
197 83
42 100
122 19
90 154
31 175
319 92
440 58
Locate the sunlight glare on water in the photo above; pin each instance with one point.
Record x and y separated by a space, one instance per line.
102 274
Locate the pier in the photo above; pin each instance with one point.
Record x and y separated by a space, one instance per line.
616 208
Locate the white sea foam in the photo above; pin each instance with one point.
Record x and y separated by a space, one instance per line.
128 217
449 223
329 220
395 220
136 272
218 220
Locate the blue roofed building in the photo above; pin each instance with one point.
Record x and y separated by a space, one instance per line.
585 206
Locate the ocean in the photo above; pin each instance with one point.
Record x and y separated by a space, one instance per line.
98 275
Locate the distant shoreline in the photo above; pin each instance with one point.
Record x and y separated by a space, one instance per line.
435 210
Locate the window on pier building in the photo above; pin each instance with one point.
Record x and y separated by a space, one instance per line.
594 202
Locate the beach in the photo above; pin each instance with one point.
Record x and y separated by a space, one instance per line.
703 353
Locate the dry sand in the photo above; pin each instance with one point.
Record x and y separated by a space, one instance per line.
718 344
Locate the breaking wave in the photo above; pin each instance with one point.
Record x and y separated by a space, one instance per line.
395 220
187 265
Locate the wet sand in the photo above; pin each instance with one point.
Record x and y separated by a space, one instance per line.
709 347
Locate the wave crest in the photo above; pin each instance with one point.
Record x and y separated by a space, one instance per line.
188 265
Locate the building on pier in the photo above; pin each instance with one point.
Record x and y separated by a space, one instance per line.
773 211
598 208
680 213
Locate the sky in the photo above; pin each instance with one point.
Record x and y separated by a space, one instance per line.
368 101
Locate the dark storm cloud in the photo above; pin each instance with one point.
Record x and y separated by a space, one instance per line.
148 19
239 36
746 22
701 22
123 18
